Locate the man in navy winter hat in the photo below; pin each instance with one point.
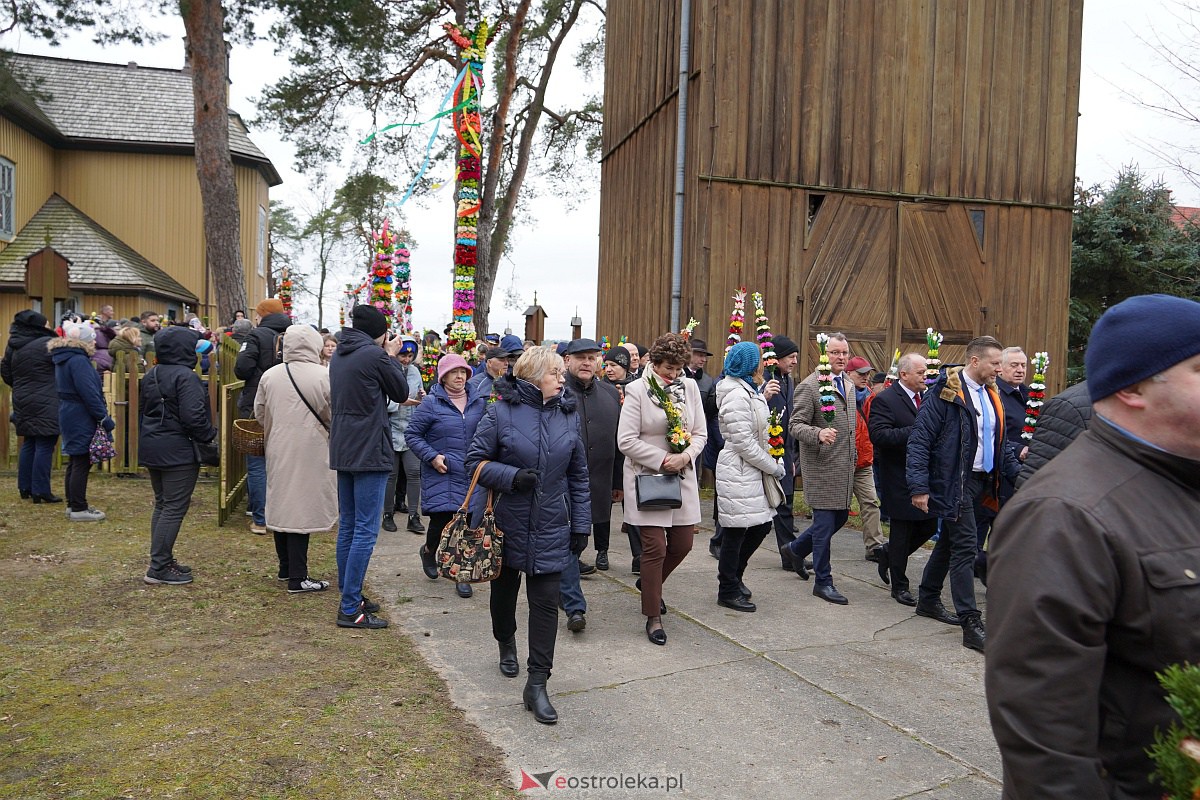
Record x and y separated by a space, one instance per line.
1095 569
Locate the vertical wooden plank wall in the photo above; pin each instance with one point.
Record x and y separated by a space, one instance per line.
967 102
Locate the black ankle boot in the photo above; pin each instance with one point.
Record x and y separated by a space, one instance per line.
537 701
26 494
508 658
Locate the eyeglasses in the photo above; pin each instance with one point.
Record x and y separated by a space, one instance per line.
837 352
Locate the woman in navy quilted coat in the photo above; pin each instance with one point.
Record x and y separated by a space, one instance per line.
81 409
537 463
439 432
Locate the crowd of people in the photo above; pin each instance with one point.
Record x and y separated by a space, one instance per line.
1082 593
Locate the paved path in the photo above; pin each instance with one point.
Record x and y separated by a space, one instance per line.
801 699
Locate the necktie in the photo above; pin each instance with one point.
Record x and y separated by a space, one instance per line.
986 442
917 400
841 386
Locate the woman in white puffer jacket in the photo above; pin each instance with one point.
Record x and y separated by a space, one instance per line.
742 466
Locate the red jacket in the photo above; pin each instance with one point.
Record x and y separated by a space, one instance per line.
862 440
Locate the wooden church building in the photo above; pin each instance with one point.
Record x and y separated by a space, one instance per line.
874 168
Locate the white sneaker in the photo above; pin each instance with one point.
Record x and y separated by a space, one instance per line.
310 585
90 515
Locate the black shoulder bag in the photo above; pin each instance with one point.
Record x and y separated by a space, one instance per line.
207 453
303 399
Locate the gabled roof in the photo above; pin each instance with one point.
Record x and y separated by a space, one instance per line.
98 258
90 105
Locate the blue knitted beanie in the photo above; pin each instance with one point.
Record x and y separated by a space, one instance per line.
742 359
1139 338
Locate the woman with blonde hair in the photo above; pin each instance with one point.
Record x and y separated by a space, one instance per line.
642 435
536 460
328 346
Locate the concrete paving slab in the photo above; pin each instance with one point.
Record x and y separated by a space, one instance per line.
801 698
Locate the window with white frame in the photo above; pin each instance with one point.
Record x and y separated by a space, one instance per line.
8 198
262 242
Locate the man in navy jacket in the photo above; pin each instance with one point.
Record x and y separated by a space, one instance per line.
362 377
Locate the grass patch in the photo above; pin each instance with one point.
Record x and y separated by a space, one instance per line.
227 688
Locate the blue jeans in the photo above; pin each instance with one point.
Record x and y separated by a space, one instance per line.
360 507
815 540
569 589
33 465
256 488
954 553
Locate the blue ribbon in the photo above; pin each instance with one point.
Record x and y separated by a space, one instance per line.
432 137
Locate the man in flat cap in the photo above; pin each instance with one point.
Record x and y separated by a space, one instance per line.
599 409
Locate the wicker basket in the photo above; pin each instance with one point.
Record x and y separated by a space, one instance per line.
248 437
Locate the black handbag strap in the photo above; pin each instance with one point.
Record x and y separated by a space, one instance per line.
307 404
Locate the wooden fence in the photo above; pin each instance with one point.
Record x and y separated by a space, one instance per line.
121 393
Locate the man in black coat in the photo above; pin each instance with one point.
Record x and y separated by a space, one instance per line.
893 412
28 368
1063 417
261 349
786 354
362 377
599 408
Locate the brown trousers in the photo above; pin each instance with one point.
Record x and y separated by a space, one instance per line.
663 549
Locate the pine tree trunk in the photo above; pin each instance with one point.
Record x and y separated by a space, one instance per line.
204 22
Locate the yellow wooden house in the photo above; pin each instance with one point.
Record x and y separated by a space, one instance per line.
98 171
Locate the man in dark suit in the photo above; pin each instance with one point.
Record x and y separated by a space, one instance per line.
1010 384
893 412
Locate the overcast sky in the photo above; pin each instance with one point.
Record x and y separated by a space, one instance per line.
556 253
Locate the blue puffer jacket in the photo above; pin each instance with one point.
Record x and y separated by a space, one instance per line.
81 405
941 447
362 378
519 432
437 428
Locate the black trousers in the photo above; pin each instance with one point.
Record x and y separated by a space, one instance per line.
601 533
635 538
292 549
715 539
737 545
438 520
76 481
173 487
785 525
542 593
906 536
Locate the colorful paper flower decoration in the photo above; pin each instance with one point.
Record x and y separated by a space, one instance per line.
825 380
762 329
737 319
933 340
1037 395
468 127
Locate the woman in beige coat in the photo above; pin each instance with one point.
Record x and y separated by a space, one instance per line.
292 404
642 436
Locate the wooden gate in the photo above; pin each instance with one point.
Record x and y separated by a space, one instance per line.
883 271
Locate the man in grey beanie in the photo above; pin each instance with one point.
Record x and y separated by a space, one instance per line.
1095 569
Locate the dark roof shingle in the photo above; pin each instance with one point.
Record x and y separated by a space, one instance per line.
87 102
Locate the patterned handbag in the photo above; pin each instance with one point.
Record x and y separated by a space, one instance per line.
471 555
101 448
